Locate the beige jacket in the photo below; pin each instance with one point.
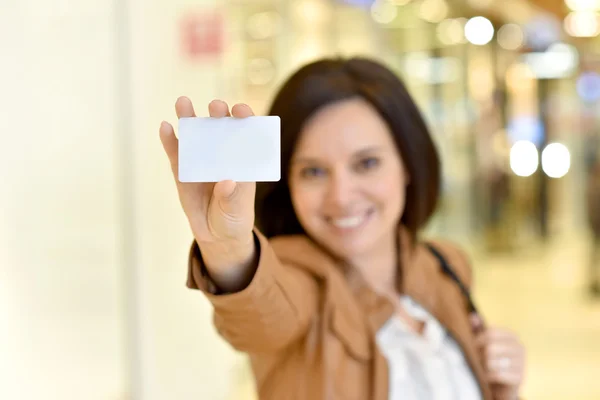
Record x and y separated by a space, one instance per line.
309 323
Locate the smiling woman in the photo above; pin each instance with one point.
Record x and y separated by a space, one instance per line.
352 106
347 181
322 277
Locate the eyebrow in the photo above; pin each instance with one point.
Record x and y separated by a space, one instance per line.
367 150
358 154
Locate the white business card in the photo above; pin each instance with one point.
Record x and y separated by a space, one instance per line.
238 149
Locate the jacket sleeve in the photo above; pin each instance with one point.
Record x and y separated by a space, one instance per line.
275 309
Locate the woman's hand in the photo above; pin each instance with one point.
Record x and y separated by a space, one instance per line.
504 358
221 215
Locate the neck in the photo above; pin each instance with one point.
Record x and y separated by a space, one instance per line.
379 267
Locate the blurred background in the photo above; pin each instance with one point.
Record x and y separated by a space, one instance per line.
93 245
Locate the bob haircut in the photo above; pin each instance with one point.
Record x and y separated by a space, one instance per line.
327 81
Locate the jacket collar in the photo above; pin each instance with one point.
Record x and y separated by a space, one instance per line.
424 281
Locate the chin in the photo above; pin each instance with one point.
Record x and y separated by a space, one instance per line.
350 250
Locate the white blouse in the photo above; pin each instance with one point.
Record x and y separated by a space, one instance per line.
430 366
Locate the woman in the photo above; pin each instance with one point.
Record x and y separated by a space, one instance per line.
328 287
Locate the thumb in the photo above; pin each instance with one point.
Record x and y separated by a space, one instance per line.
170 144
230 197
224 190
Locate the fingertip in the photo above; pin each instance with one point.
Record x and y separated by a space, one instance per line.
169 142
184 107
165 129
181 101
218 103
225 189
218 109
242 110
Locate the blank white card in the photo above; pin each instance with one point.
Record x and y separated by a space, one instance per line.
239 149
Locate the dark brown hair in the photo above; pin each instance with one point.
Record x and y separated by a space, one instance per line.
331 80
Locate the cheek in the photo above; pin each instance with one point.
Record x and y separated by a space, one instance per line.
390 194
306 203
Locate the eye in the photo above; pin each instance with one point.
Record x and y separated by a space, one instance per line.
312 172
367 164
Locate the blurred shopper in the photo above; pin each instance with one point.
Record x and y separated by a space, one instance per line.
325 280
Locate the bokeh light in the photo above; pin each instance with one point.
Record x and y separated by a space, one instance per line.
556 160
383 11
583 5
524 158
433 10
511 37
582 24
479 31
451 31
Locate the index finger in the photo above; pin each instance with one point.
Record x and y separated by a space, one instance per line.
184 108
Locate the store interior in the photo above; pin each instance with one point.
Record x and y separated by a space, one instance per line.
93 243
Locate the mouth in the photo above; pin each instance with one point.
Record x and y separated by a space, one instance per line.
350 222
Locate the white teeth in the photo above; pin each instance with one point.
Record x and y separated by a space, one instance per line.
349 222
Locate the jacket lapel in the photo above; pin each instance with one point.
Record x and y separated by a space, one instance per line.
424 281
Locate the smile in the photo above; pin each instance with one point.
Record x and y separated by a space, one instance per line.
350 222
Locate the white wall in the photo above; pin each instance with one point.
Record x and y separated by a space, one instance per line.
182 358
65 249
60 318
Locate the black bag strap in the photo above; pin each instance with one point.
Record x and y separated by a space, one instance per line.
447 269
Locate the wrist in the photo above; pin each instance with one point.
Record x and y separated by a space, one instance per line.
230 264
227 250
507 394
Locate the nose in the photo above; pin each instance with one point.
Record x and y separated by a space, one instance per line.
339 190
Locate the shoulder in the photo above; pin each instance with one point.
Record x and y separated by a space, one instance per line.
301 252
294 248
456 257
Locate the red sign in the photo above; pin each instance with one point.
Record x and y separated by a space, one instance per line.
202 34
